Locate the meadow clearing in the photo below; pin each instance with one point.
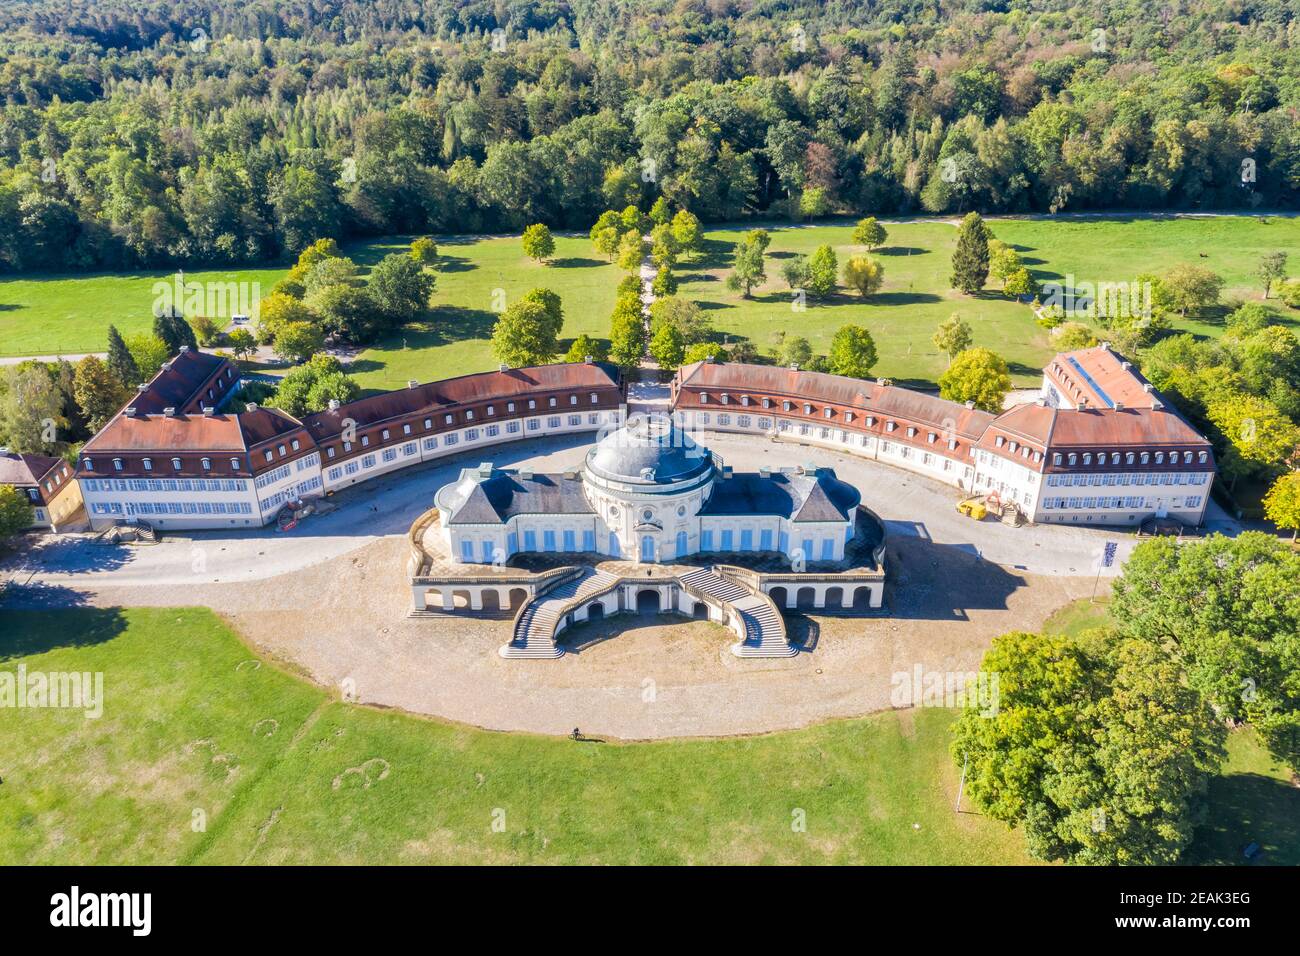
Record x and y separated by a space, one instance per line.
44 315
207 753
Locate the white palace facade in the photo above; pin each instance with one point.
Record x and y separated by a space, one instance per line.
1100 446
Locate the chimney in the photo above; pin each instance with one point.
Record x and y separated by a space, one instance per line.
334 404
166 366
708 360
1148 387
209 411
970 404
412 383
1040 402
141 387
503 367
484 469
586 360
526 474
184 349
170 411
1119 406
571 474
250 407
1083 403
1105 345
1126 365
130 411
726 471
765 471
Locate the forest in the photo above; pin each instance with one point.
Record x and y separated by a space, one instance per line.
147 134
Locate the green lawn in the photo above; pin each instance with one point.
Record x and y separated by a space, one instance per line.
70 313
196 728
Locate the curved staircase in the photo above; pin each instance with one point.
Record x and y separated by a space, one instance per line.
535 627
765 634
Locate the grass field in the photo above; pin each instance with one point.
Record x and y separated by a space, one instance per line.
196 728
46 315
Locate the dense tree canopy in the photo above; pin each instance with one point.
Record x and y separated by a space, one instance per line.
150 133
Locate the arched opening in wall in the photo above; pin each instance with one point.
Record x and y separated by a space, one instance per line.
778 596
491 600
862 599
834 597
805 599
433 599
700 612
647 601
517 597
595 611
460 600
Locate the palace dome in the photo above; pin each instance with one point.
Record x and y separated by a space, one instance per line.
648 451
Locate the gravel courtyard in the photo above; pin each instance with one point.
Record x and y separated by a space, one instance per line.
331 602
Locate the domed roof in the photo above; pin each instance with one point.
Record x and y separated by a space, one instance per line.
648 450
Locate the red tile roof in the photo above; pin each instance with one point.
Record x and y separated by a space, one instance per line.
24 469
1102 377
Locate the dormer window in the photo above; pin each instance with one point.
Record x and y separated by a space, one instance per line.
932 438
999 442
148 464
1160 458
573 399
268 454
1187 457
890 426
176 464
911 431
469 413
234 463
807 409
726 399
206 463
1128 459
406 430
871 420
294 444
952 443
767 402
491 409
1146 457
1203 457
449 419
1087 458
532 403
1056 458
1074 459
1114 458
87 464
744 399
281 450
595 399
510 407
551 403
428 423
786 406
830 413
384 434
704 398
365 441
848 416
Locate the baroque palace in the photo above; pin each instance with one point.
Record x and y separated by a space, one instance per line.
651 521
1099 446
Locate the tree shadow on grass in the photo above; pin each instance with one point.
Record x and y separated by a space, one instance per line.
450 264
35 631
714 254
898 298
1246 808
899 251
575 262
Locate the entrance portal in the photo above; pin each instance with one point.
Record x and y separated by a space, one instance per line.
647 602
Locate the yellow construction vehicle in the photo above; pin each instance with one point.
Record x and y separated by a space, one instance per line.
973 508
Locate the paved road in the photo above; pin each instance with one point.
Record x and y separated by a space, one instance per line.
911 505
